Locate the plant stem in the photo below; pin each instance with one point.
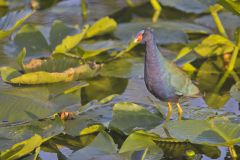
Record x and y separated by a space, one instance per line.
214 12
221 82
233 59
155 4
84 9
234 55
144 154
232 152
155 16
235 76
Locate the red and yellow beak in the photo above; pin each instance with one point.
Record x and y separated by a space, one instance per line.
139 37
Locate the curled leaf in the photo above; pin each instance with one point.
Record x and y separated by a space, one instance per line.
12 21
102 26
42 77
214 45
70 42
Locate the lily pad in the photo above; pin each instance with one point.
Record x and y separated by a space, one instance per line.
139 140
20 149
104 85
42 77
94 49
210 132
16 133
58 32
229 21
103 147
70 42
166 31
32 39
12 21
36 102
209 74
124 68
102 26
214 45
193 6
136 116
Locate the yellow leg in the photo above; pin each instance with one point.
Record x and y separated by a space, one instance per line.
180 111
169 111
168 118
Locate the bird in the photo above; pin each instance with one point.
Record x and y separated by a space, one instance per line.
163 78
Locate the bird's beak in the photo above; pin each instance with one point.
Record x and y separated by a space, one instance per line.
139 37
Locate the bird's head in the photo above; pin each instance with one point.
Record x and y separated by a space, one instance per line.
144 35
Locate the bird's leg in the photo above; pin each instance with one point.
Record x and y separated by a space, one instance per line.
169 111
180 111
168 115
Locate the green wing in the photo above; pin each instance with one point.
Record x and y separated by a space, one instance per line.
181 81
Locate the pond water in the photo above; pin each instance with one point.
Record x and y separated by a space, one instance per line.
126 78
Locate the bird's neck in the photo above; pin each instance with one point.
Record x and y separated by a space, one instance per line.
153 55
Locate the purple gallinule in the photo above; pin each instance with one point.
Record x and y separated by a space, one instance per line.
162 77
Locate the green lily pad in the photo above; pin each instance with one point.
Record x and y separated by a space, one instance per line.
32 39
70 42
103 147
167 32
94 49
229 21
22 103
81 122
58 32
42 77
210 132
209 74
104 85
214 45
193 6
139 140
124 68
12 21
136 116
102 26
20 149
216 100
16 133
